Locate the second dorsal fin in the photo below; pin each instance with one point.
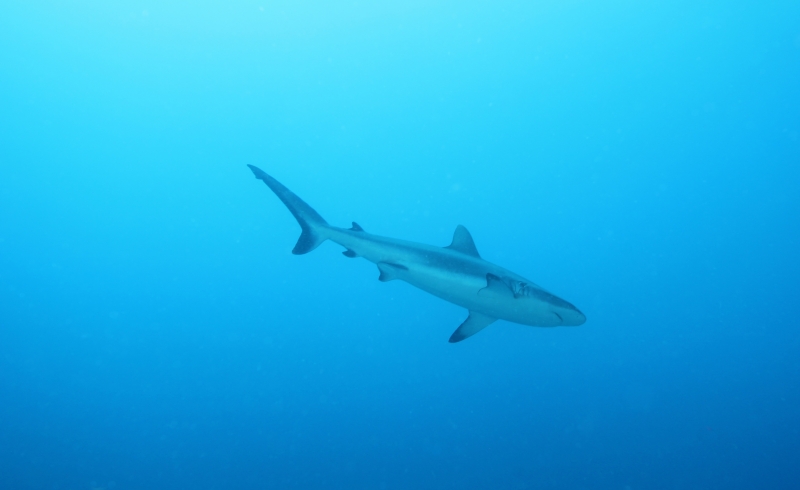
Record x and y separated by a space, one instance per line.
462 242
356 227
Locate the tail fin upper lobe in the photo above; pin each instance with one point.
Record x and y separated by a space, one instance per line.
310 221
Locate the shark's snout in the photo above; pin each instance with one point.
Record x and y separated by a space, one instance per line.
569 316
564 311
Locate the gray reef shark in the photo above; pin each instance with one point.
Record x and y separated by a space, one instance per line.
455 273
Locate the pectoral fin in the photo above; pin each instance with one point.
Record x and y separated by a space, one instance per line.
474 323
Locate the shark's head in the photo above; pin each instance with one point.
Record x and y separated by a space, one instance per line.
568 315
545 308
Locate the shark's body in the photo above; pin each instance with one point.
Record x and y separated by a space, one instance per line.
455 273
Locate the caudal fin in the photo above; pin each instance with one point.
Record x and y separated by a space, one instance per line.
310 221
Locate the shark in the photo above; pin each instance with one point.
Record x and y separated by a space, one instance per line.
455 273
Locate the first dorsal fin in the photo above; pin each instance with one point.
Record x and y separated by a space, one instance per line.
356 227
462 242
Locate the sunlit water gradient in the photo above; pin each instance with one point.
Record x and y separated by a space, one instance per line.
639 159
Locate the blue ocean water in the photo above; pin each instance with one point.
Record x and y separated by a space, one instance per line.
639 159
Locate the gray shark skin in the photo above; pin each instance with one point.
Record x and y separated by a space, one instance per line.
455 273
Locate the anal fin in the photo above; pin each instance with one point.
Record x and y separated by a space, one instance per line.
474 323
349 253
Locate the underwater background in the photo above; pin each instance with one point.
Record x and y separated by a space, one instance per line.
639 159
